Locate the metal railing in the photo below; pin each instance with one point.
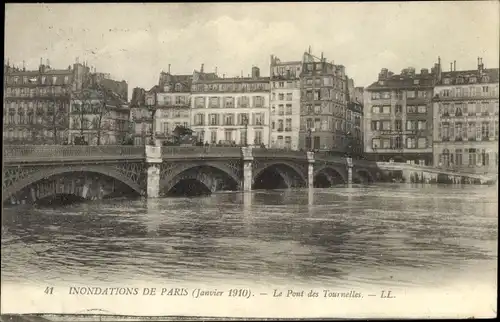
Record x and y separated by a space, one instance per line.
34 153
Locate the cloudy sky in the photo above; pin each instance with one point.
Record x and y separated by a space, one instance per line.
136 41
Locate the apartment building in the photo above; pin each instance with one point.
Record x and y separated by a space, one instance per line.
285 103
37 103
99 115
466 119
173 104
323 105
398 116
230 110
140 117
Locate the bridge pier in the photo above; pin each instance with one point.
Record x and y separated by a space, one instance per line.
310 169
153 162
349 171
247 156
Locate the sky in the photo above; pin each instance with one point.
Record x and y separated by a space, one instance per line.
135 42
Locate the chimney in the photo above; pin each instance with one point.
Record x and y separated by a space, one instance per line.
255 72
454 65
215 70
24 66
201 69
480 65
309 49
451 67
241 74
321 56
169 68
41 61
223 75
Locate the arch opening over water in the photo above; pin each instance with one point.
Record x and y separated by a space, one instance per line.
65 187
278 176
199 181
364 177
328 177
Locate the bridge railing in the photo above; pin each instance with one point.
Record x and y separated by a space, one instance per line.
270 153
177 152
13 153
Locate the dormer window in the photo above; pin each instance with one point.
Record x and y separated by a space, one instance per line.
381 83
472 79
485 79
446 81
178 87
460 80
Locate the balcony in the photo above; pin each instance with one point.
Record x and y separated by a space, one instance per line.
177 152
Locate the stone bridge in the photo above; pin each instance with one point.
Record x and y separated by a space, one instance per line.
32 173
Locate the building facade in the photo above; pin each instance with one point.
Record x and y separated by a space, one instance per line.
285 104
98 115
230 111
141 125
173 104
398 117
466 119
37 103
323 105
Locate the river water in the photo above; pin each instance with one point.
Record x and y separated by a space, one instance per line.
379 235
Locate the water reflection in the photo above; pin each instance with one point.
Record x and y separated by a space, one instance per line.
359 235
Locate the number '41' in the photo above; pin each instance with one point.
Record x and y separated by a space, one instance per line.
49 290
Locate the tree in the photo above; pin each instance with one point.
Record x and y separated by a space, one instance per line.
56 118
92 110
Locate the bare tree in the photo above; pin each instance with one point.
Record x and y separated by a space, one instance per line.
56 118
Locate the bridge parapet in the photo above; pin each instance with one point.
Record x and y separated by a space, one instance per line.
277 153
178 152
35 153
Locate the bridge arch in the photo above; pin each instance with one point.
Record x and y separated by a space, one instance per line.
363 175
278 174
47 173
329 175
204 177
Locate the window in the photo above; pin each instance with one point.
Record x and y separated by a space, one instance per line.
376 109
386 143
288 110
199 102
199 119
309 123
317 142
376 125
472 79
485 130
386 125
281 96
411 109
214 102
213 136
288 125
398 125
213 119
258 137
446 110
288 96
411 125
317 123
243 101
386 95
410 143
258 118
376 143
398 109
386 109
317 109
281 109
375 95
422 109
410 94
229 119
397 143
229 102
